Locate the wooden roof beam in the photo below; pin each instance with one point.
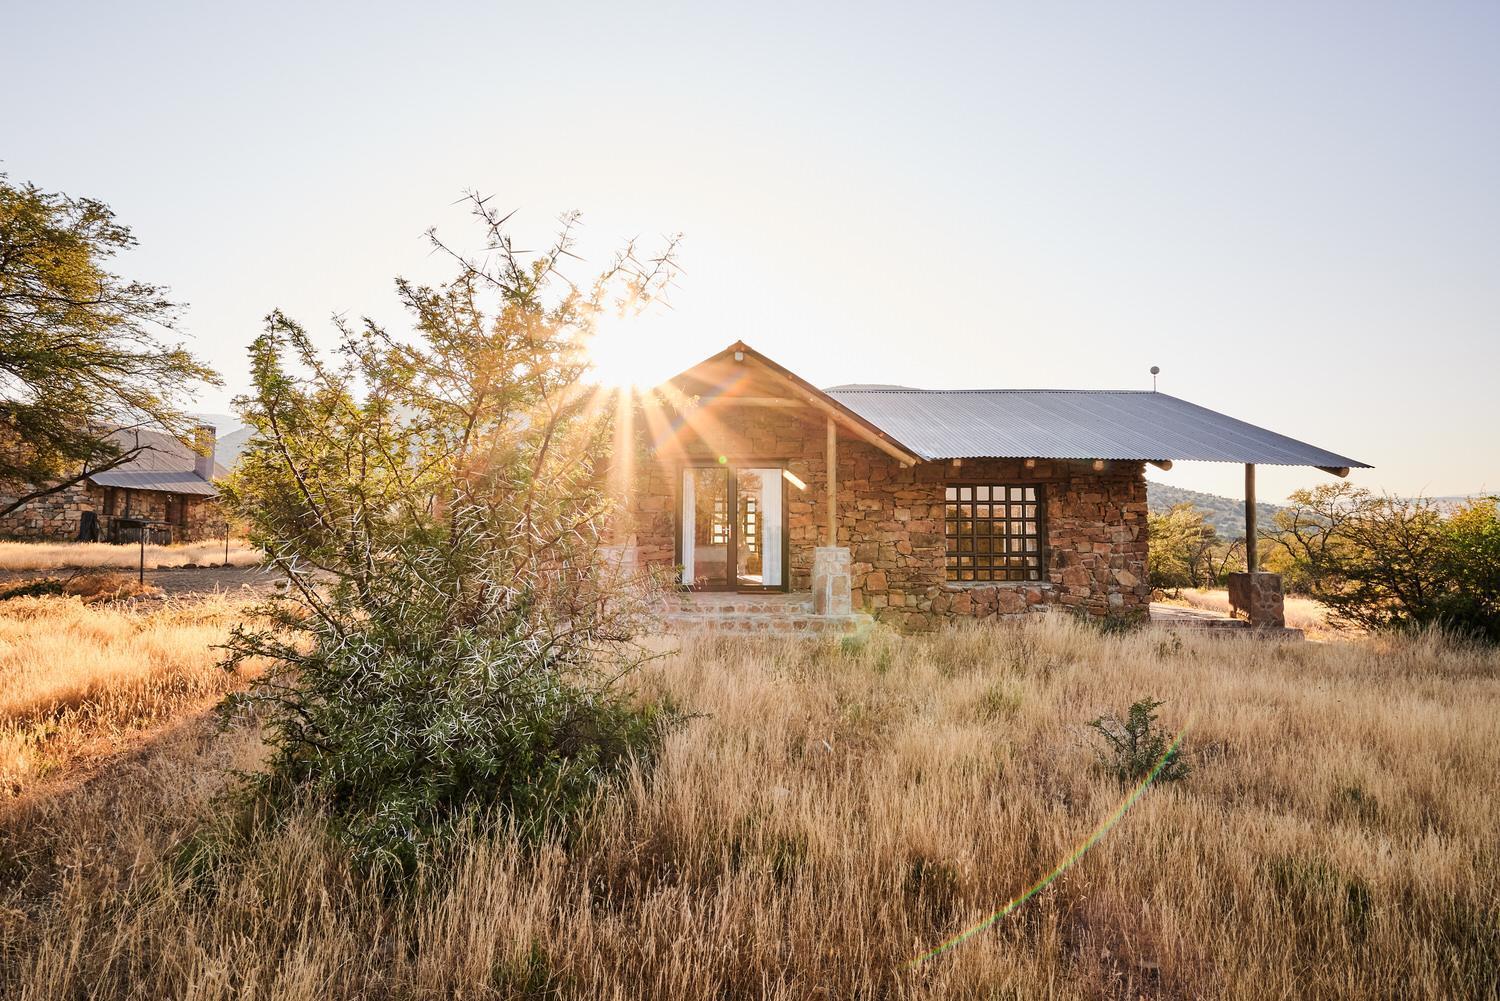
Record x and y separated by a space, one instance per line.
849 424
752 401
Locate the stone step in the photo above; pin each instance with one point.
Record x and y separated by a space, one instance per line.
804 625
732 604
1220 624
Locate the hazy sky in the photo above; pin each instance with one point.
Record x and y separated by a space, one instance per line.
1292 208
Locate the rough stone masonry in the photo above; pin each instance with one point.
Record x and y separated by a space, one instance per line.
890 518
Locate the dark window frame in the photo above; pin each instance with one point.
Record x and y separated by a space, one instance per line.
995 541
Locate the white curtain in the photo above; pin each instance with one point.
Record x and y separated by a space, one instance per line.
689 511
770 526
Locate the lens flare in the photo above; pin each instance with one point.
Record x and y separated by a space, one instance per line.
1062 866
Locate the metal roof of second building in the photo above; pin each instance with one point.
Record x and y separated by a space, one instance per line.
1072 424
164 464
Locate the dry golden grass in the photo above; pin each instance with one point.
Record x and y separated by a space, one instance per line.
79 680
65 555
833 813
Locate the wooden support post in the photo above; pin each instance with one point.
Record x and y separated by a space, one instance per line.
833 483
1252 564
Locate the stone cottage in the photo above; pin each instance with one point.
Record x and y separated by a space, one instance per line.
914 506
165 491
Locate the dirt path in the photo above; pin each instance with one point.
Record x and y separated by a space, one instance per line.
247 581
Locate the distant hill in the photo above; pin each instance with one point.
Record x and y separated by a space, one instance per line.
229 446
1225 514
223 422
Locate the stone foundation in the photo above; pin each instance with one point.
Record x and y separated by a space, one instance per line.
1259 597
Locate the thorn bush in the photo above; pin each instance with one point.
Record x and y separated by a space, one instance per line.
1133 747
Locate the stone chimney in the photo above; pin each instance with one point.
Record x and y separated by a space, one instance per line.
204 437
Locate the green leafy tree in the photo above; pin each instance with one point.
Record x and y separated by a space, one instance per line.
1185 550
80 347
1384 562
453 636
1471 536
1306 537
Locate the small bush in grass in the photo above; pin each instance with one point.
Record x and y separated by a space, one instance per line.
1135 746
1116 623
999 703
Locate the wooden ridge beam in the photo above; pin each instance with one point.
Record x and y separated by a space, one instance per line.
853 426
752 401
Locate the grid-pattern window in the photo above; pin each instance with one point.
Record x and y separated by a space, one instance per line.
994 532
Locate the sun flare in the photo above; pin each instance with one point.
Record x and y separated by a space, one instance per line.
623 354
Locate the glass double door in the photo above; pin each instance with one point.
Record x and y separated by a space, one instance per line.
733 528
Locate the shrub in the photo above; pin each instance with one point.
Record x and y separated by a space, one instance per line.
1135 747
91 587
1391 563
452 638
406 734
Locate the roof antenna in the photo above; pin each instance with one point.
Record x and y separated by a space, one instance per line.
1155 371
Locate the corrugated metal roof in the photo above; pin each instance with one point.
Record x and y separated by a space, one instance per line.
1072 424
165 464
172 483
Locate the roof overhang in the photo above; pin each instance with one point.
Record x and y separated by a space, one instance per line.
187 483
914 425
1123 425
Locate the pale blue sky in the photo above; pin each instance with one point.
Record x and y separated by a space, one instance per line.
1293 209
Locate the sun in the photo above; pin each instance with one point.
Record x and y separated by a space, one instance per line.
623 354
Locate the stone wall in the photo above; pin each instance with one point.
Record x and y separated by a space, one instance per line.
1259 597
205 520
891 519
56 517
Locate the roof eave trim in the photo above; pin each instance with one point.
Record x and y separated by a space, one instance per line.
859 424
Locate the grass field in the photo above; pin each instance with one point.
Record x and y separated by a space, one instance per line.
88 555
829 815
80 681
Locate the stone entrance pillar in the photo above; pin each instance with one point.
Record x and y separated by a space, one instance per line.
1259 596
622 560
831 581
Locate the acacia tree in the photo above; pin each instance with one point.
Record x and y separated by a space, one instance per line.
1386 562
452 636
1306 535
81 353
